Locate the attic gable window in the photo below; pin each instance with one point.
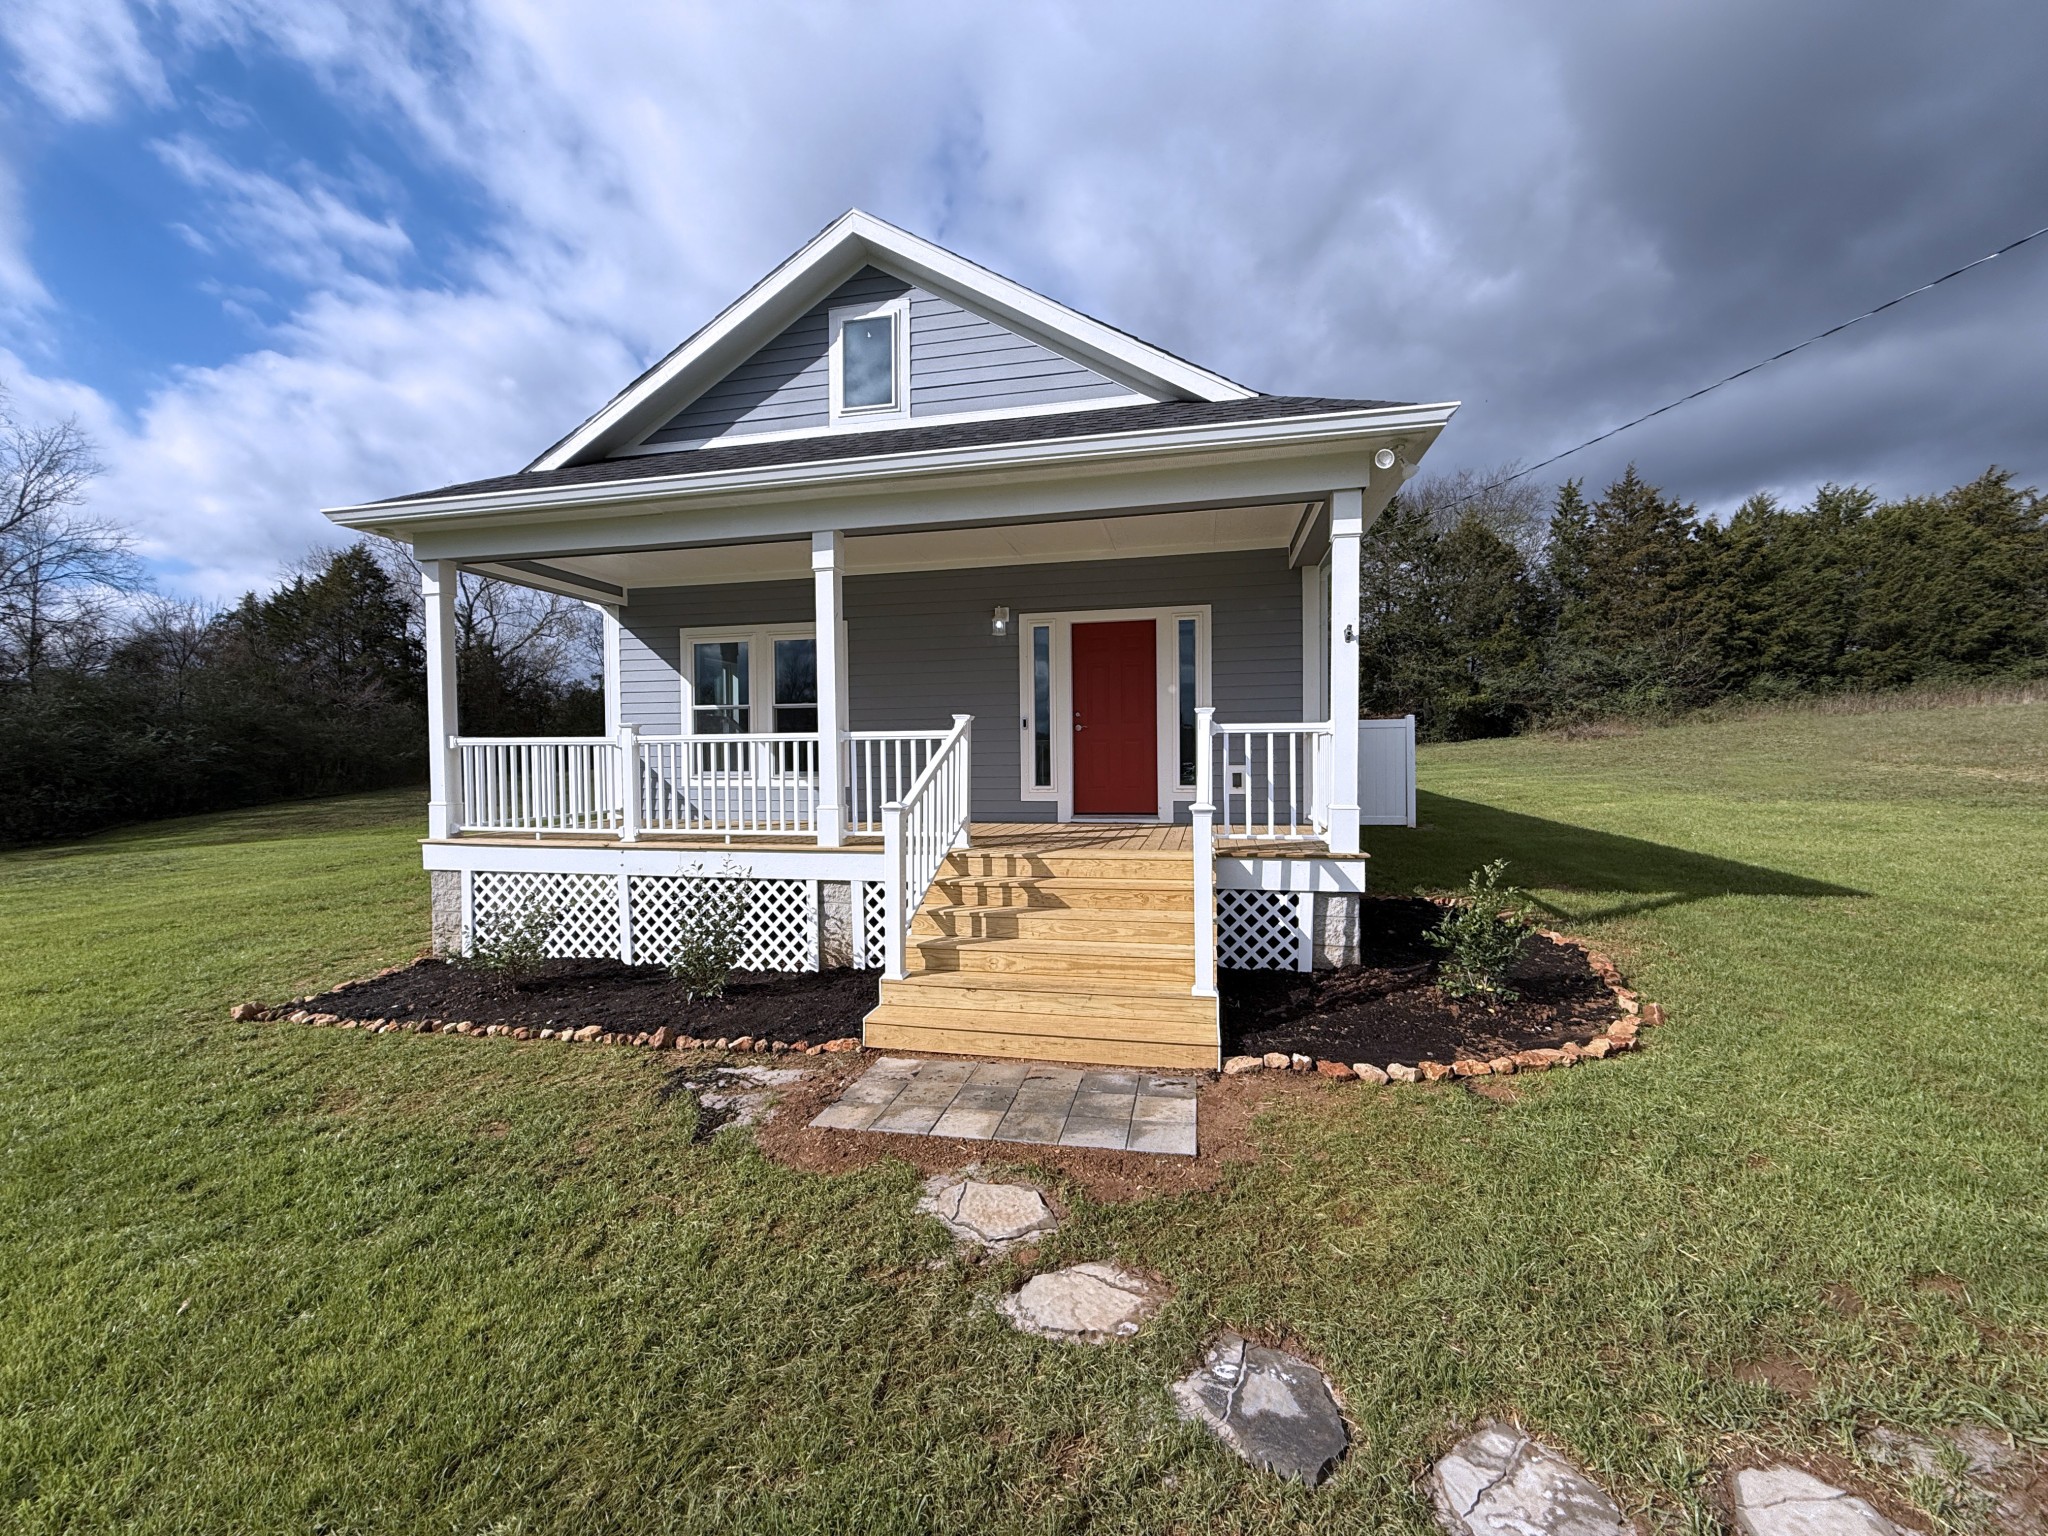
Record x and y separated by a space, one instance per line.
871 361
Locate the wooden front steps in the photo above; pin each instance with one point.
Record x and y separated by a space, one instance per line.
1053 953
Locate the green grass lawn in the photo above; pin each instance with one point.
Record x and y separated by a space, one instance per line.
260 1278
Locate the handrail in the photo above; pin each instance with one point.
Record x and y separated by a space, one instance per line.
559 784
918 831
1203 815
1275 781
881 766
753 783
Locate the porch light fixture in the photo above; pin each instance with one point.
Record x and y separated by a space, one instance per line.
999 626
1384 459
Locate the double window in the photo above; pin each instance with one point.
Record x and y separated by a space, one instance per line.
738 683
870 361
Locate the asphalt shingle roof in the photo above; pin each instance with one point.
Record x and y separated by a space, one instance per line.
836 447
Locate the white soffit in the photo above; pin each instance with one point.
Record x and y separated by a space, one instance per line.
1101 538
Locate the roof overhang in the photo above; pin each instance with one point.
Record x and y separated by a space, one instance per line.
1108 473
850 242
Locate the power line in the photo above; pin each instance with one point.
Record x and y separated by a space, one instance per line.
1833 330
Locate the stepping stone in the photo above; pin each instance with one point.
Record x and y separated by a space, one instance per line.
1995 1476
1272 1408
997 1216
1092 1303
1499 1482
1784 1501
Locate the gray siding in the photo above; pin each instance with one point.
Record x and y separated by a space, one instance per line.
958 362
962 362
920 650
650 639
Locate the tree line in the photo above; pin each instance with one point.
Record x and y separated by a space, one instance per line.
1491 607
117 705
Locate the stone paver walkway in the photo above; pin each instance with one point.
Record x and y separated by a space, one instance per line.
1121 1110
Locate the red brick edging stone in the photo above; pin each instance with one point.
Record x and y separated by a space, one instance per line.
1621 1035
663 1039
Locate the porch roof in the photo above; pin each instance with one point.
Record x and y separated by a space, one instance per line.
824 448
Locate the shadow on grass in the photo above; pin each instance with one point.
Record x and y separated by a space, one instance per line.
373 810
1453 837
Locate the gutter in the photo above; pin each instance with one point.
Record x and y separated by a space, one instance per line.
824 474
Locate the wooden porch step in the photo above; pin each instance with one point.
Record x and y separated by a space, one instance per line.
1107 997
1072 892
1143 925
1044 1039
1078 960
973 864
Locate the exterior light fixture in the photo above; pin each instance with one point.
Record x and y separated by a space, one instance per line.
999 626
1384 459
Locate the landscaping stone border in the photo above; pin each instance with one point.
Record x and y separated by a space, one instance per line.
1620 1036
662 1039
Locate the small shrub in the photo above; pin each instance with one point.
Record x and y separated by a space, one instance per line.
709 942
1481 936
510 945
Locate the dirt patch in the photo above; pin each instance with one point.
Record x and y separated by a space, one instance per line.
796 1007
1388 1008
1226 1109
1779 1373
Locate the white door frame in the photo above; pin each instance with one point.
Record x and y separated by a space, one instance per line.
1166 706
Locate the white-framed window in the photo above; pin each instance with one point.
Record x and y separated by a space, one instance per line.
870 361
1045 689
739 682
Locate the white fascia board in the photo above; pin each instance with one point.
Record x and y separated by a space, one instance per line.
870 474
850 242
1327 876
654 858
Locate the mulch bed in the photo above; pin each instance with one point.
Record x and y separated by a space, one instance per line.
1389 1009
799 1008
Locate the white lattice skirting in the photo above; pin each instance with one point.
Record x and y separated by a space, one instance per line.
1264 930
870 953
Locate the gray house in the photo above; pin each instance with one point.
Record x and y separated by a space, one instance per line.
989 645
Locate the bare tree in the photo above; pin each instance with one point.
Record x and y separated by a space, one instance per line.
58 567
1517 510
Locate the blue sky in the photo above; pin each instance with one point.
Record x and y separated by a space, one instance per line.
276 257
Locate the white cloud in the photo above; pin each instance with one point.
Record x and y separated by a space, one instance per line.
1563 221
310 232
80 57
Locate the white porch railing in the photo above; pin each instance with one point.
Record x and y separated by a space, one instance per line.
918 831
880 767
1272 780
761 785
753 785
563 784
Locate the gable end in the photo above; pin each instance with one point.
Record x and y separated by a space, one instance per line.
960 362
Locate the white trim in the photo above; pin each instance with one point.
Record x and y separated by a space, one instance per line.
1328 876
871 474
654 859
852 241
759 640
897 410
1166 708
862 424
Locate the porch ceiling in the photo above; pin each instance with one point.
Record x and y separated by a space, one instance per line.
1270 526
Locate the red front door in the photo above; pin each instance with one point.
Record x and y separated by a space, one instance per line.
1116 724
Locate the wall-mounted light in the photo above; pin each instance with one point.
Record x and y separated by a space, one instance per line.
1384 459
999 626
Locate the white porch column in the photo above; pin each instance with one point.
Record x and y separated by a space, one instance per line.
1347 527
613 718
832 688
438 584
